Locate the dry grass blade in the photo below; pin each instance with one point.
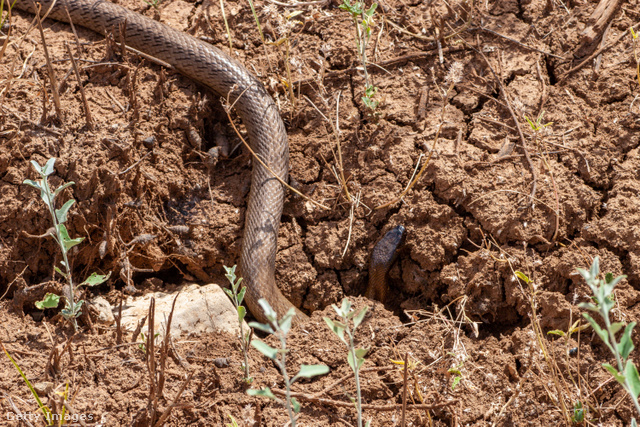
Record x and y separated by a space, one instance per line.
87 110
52 75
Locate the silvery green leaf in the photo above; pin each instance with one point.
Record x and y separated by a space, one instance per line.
262 326
242 312
37 167
34 184
265 349
268 311
336 327
285 322
264 392
604 336
295 404
241 293
95 279
359 317
346 307
310 371
595 268
62 187
61 213
66 240
60 272
48 167
615 327
613 371
588 306
631 374
625 347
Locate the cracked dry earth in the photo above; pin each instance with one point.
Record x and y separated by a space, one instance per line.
456 309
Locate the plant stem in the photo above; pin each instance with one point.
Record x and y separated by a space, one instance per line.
285 376
614 345
56 225
356 376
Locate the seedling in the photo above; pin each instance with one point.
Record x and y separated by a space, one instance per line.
363 22
153 3
236 293
280 329
59 232
355 356
626 372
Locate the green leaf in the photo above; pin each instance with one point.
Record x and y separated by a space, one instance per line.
62 187
34 184
360 360
523 277
37 167
268 311
310 371
616 326
228 292
359 317
48 167
241 293
336 327
95 279
295 404
265 349
262 327
604 336
614 372
361 353
633 422
60 272
556 332
285 322
456 381
588 306
264 392
631 374
61 213
625 347
242 312
67 241
49 301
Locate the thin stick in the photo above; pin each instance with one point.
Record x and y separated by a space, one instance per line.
52 75
87 111
518 43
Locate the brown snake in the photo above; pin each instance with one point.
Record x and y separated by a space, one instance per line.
213 68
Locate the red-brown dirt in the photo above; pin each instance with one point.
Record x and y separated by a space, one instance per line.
457 309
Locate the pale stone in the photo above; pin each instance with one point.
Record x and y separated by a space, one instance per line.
199 309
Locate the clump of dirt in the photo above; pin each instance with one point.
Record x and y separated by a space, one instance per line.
526 160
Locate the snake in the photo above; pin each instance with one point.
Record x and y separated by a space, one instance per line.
210 66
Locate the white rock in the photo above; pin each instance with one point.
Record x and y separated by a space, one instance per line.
105 316
199 309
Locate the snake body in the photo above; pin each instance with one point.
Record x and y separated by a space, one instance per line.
211 67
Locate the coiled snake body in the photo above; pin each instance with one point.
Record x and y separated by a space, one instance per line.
213 68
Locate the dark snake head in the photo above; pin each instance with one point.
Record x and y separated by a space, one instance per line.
382 257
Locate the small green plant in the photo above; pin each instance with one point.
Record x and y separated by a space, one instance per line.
153 3
456 371
626 372
280 329
236 293
48 415
355 356
578 413
59 232
363 21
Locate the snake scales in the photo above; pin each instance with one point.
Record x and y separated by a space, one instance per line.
213 68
